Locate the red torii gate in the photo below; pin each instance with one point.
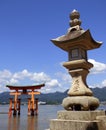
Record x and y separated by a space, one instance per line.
32 102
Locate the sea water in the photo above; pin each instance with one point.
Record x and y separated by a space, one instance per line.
25 122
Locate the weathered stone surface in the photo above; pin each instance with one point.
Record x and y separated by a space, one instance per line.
80 115
102 119
79 120
80 103
79 86
75 64
75 125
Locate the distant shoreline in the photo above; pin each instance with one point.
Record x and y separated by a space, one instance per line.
44 103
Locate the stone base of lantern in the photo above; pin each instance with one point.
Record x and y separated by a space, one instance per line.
80 103
79 120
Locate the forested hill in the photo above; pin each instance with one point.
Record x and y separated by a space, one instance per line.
55 98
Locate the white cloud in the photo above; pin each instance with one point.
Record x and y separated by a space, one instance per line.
60 82
13 81
64 77
52 86
5 74
40 77
98 67
104 83
98 85
53 82
24 76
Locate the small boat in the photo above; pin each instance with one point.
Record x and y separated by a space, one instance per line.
41 103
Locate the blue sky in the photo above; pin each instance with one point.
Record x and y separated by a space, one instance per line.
27 56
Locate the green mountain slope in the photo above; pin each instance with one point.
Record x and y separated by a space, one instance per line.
54 98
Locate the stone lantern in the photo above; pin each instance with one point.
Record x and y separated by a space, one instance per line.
80 103
77 42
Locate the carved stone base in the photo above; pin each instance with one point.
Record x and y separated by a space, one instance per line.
79 103
79 120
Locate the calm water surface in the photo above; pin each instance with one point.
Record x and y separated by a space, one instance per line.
24 122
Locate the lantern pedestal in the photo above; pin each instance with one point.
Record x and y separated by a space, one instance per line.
79 120
80 97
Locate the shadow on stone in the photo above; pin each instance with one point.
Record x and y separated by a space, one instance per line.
92 126
77 107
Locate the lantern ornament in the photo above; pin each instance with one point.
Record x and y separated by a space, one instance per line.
77 42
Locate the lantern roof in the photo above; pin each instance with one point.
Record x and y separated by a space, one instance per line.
76 36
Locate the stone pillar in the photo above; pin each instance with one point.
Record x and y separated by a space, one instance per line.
80 97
